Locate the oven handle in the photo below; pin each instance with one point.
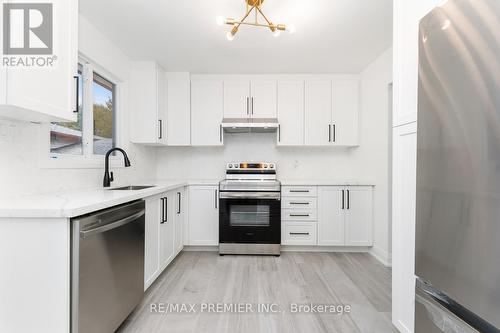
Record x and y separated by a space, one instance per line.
249 195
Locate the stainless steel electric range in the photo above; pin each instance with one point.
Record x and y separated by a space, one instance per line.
250 209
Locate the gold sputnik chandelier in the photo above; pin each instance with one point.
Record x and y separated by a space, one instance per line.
255 6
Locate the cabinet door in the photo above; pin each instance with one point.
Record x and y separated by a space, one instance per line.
161 105
147 81
345 116
263 99
179 220
178 109
206 112
403 221
167 230
359 216
330 216
318 112
152 240
291 112
48 93
236 98
203 215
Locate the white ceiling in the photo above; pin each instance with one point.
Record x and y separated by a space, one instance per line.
333 36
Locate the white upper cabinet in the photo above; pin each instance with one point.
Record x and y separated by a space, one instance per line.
290 112
332 111
148 104
48 93
263 98
236 98
207 105
345 116
249 98
318 112
178 99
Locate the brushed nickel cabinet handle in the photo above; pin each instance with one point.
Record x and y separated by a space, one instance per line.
299 233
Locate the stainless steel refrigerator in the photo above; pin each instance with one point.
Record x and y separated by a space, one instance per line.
458 169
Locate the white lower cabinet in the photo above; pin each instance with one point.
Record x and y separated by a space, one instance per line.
152 240
167 203
331 216
179 219
203 215
163 232
358 216
298 233
345 215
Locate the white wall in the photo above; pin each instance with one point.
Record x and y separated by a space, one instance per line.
22 169
368 164
375 124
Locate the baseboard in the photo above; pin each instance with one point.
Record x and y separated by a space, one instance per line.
382 256
291 248
203 248
315 248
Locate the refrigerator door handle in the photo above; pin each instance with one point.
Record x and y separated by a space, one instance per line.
442 309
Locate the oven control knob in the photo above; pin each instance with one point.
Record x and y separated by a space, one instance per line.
230 166
236 165
265 166
271 166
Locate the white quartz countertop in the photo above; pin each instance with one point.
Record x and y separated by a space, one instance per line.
289 182
67 204
73 203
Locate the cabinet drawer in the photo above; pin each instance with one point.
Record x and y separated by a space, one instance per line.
298 203
293 233
299 214
299 191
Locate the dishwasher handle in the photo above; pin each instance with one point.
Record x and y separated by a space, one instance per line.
112 225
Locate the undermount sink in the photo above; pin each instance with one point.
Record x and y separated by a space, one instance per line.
132 188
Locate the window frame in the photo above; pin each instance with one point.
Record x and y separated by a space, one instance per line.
87 159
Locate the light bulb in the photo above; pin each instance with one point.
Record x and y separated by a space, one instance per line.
291 29
229 36
220 20
276 33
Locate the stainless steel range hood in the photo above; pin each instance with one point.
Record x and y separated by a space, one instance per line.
250 125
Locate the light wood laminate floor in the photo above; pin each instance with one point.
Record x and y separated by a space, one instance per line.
199 278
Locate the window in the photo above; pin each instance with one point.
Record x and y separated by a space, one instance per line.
103 92
66 138
94 132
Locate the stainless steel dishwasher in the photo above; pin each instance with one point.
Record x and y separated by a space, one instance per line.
107 269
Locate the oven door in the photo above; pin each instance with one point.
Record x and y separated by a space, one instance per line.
250 217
